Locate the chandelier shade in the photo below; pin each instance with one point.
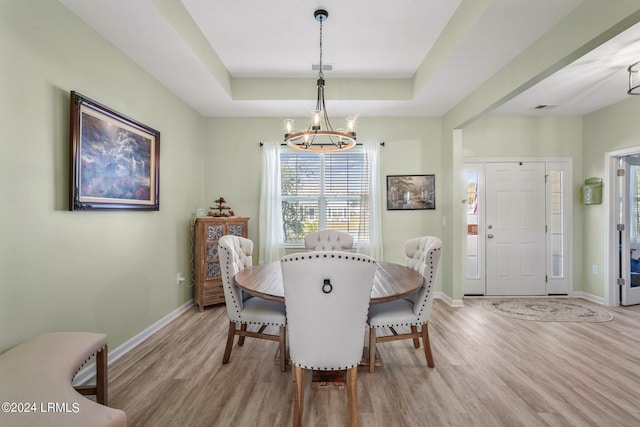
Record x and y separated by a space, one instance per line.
320 135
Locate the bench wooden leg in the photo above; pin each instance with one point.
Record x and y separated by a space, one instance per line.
102 382
101 376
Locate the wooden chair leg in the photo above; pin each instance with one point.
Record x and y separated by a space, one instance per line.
283 348
427 345
372 349
352 396
298 404
101 376
230 336
243 327
416 340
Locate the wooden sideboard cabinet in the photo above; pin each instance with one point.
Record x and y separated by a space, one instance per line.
207 230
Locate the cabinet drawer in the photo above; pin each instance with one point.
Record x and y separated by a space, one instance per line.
213 294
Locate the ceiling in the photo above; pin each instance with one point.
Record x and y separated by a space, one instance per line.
253 58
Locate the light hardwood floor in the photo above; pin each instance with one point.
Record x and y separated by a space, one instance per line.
490 371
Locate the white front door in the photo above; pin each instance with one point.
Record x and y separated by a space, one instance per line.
630 234
515 228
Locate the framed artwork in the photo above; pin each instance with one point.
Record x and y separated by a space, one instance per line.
409 192
114 159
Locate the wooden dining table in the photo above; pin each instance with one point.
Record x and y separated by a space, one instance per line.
390 282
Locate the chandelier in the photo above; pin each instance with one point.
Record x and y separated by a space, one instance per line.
320 128
634 79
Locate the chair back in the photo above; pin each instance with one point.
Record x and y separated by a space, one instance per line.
423 255
234 253
327 295
328 240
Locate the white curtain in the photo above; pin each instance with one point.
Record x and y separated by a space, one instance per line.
373 248
271 231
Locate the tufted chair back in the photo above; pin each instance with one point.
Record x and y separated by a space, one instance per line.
235 255
327 296
423 255
328 240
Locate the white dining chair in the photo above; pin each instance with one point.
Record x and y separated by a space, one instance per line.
327 295
423 255
328 240
243 309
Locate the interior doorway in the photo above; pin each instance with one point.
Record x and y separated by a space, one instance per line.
517 228
618 242
629 228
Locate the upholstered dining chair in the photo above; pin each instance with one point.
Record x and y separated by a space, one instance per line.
327 296
328 240
423 255
235 255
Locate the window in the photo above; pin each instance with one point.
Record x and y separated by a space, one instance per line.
325 191
555 227
473 243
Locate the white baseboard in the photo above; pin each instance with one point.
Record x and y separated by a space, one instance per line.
88 373
588 297
444 297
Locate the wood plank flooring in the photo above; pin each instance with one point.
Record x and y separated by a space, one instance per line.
490 371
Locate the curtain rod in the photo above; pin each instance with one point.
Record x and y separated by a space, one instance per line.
284 145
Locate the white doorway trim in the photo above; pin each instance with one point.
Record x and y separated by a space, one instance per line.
561 285
611 291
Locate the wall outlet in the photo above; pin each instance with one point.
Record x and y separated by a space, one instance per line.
594 269
179 278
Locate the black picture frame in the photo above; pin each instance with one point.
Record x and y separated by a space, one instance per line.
115 160
411 192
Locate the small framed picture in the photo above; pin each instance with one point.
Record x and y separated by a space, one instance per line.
114 159
410 192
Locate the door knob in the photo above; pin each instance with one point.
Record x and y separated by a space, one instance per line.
489 236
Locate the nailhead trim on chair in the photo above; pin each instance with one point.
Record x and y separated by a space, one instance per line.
431 267
338 368
235 302
227 266
424 302
312 255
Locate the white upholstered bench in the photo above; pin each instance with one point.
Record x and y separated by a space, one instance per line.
36 382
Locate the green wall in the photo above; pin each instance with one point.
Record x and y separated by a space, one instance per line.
412 147
116 271
91 271
530 138
610 129
525 137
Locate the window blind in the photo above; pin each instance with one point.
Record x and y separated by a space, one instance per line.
324 191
